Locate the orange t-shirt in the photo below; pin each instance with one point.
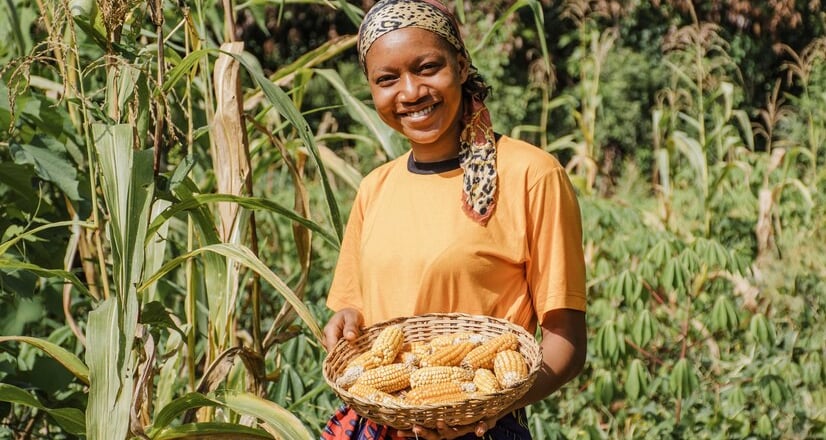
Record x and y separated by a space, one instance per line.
410 249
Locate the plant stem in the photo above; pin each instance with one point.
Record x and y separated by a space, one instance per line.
157 17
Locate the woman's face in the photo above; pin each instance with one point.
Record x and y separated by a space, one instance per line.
416 81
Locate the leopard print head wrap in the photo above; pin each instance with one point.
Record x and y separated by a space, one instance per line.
477 147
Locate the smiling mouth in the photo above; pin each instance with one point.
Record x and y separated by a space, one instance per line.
421 113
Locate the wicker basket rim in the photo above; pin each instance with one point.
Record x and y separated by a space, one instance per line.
380 412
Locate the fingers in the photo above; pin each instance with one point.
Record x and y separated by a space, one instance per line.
345 323
352 326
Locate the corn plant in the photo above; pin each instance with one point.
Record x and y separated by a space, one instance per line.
128 244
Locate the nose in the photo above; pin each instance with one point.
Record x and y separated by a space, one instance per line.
410 88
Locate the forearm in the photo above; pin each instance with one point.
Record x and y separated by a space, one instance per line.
564 349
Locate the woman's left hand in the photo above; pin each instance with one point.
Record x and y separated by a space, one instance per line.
444 432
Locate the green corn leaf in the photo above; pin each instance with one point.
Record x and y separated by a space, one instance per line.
388 140
176 73
10 265
58 353
166 416
285 106
211 431
246 258
110 394
51 163
197 201
277 418
70 419
6 245
695 154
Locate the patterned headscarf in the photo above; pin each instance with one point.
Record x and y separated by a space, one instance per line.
477 147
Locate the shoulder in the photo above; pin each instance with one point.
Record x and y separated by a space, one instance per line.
519 158
380 174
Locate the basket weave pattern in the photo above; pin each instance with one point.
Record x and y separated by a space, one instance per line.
424 328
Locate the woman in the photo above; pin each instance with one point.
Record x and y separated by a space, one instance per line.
467 221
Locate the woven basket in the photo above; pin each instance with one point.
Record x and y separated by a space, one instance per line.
423 328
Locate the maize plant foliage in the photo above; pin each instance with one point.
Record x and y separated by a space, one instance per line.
172 197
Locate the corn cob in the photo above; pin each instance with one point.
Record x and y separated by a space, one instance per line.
486 382
436 393
455 338
482 356
388 344
367 360
355 368
510 368
369 393
449 355
388 378
408 358
431 375
420 349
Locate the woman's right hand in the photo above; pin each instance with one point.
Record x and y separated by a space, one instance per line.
346 323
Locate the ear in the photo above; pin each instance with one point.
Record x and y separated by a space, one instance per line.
463 67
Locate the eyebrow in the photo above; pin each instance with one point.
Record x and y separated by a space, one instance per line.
418 60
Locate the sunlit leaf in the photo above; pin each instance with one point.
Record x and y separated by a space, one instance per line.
58 353
70 419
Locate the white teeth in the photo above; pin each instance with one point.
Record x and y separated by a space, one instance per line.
420 113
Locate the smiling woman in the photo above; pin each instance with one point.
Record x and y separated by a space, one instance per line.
417 90
467 221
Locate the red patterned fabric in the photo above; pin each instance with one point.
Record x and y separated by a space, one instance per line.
347 425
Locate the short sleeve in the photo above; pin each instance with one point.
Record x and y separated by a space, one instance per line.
556 264
345 290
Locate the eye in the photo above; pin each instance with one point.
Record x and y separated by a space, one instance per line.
384 80
429 67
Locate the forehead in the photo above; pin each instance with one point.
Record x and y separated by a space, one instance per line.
409 42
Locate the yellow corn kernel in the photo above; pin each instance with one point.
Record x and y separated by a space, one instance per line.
482 356
449 355
408 358
367 392
388 344
432 375
510 368
388 378
456 338
436 393
420 349
356 367
486 382
367 360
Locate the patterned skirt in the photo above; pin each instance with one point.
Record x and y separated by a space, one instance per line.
347 425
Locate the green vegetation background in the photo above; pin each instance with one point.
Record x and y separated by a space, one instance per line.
693 132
